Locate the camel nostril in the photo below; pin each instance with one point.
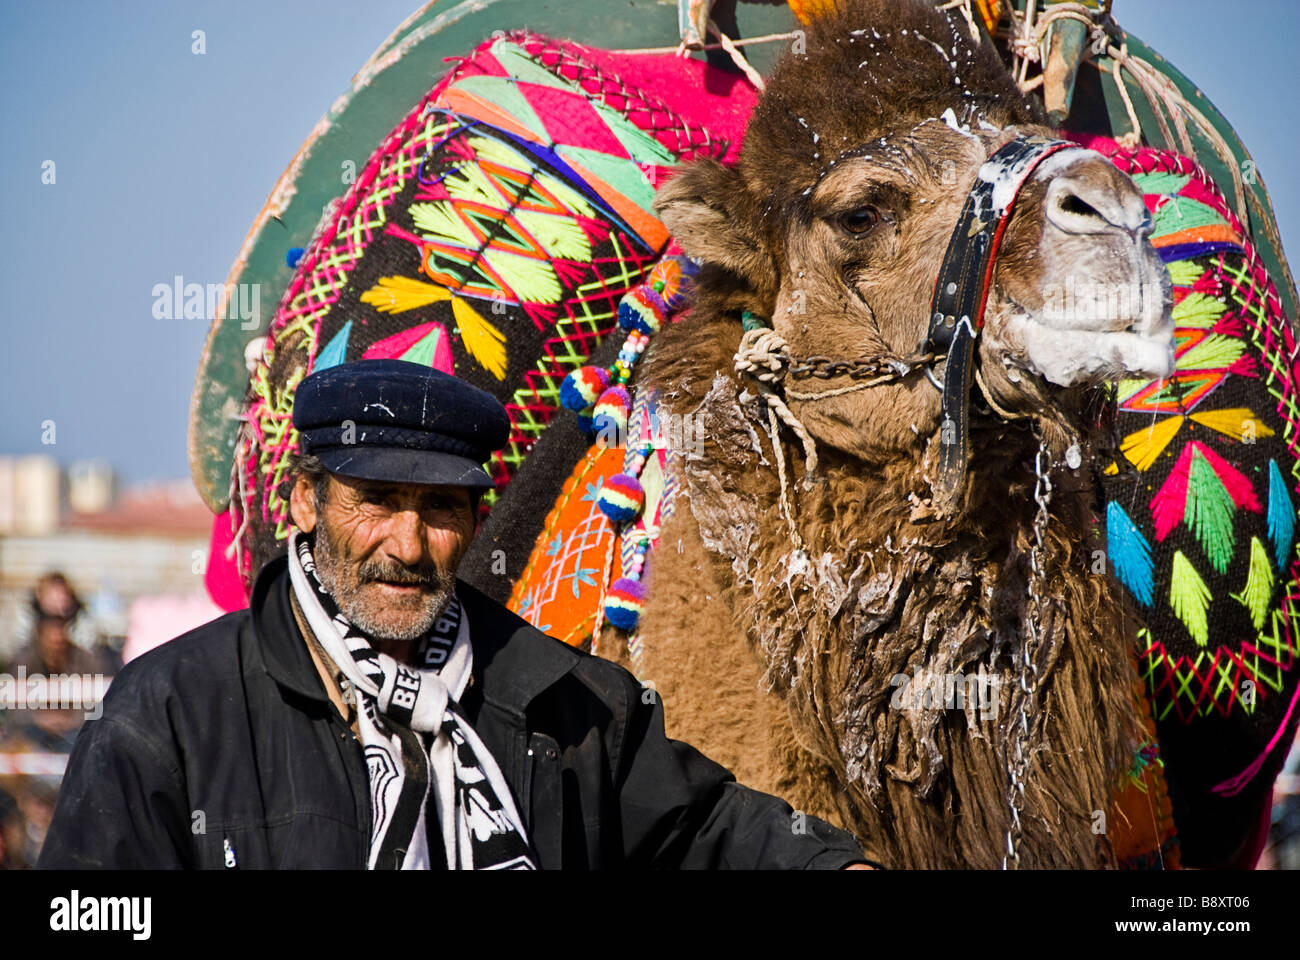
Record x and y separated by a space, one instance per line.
1083 205
1075 205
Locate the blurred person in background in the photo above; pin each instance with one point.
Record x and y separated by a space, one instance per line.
54 596
51 650
36 807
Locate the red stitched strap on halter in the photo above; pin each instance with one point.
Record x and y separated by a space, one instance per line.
962 286
1054 146
962 289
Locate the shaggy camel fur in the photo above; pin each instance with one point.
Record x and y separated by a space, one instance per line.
783 658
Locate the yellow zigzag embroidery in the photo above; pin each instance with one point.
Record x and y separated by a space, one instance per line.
1143 447
1240 423
399 294
1190 598
483 341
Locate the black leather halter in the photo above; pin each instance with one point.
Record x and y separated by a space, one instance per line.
962 290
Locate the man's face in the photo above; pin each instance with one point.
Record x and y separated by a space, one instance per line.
387 552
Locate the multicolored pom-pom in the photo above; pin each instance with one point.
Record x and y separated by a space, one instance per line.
642 309
611 411
621 498
582 387
623 603
601 402
670 278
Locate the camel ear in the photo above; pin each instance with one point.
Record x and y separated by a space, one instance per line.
707 210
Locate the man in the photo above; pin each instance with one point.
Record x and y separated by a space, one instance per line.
371 710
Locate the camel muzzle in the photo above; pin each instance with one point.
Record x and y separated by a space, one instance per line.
961 293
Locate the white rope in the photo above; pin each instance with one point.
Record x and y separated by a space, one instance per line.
742 42
840 391
779 455
1027 37
1027 42
237 477
738 58
1131 139
964 6
1150 79
762 357
993 404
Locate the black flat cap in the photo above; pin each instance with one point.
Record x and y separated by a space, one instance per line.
400 422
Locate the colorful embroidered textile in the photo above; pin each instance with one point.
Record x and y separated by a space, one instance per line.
579 554
561 588
1203 536
491 235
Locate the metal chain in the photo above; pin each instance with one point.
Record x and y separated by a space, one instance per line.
1018 763
825 368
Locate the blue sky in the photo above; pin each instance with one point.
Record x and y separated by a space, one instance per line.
163 158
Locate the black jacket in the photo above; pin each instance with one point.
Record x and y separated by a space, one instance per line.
222 745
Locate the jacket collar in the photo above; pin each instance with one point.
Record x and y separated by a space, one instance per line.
284 649
513 660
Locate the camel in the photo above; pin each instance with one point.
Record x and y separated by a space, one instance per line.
796 597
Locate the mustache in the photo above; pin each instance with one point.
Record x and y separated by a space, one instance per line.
424 576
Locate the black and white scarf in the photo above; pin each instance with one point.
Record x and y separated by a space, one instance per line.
416 740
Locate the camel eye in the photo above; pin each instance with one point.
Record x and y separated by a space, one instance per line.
860 221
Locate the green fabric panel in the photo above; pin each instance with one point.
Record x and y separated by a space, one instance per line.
503 92
640 146
1183 213
623 175
1169 183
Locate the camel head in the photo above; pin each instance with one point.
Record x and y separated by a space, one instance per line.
834 223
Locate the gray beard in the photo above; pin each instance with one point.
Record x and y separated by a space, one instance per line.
351 605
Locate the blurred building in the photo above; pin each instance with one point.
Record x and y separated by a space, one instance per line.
30 495
115 547
92 486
